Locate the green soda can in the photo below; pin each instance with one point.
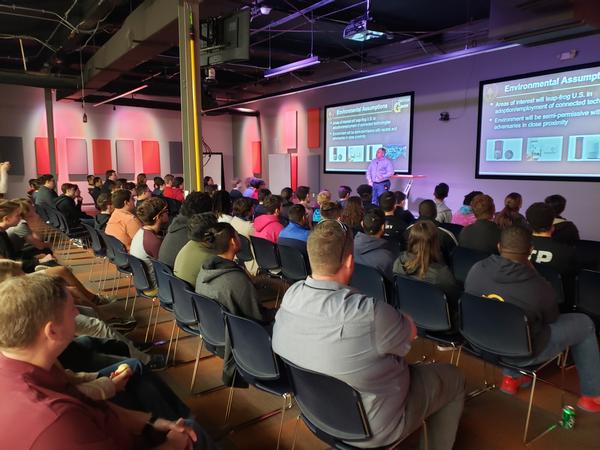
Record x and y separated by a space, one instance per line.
568 418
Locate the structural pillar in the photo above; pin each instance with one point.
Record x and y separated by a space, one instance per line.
50 126
191 102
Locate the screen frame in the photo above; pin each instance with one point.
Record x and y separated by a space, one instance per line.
525 177
410 94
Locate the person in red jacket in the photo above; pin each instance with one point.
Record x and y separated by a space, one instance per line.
267 226
173 188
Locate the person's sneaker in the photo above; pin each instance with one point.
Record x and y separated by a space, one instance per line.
157 362
102 299
77 243
511 385
122 325
589 404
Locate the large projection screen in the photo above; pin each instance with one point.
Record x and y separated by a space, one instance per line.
543 125
354 131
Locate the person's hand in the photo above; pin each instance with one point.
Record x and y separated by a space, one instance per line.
178 441
120 380
178 430
47 258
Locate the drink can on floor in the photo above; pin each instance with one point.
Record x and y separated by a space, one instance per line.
568 418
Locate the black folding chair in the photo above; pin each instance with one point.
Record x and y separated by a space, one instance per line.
294 263
463 259
553 277
165 295
370 282
185 318
257 364
453 228
267 256
331 409
588 254
428 306
496 330
245 253
141 282
587 288
117 255
99 250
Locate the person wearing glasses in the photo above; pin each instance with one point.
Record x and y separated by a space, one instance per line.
378 174
326 326
147 241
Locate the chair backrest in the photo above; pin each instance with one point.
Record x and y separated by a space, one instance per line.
97 245
42 212
251 348
245 252
110 252
140 277
52 216
162 271
294 263
329 404
588 254
424 302
182 302
209 315
494 327
587 289
463 259
266 254
370 282
118 249
553 277
453 228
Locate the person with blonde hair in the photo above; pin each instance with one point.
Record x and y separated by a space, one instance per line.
322 197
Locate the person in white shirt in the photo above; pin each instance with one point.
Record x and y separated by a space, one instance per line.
378 174
444 214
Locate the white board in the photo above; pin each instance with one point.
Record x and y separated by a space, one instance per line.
213 167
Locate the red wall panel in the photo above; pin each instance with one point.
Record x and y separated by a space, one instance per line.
42 155
101 156
151 157
313 128
256 158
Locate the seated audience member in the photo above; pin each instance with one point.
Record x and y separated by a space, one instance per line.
120 183
428 212
268 226
207 181
105 206
122 223
90 182
444 214
159 186
423 260
130 186
331 210
10 216
258 185
168 189
242 222
561 257
464 216
212 189
303 196
237 189
224 281
249 187
195 252
96 189
35 328
352 214
483 235
175 190
394 225
69 203
23 239
326 326
34 186
323 196
141 179
142 193
510 277
365 192
565 231
260 209
401 210
287 196
297 228
46 194
369 247
510 215
222 206
148 239
343 195
110 175
177 234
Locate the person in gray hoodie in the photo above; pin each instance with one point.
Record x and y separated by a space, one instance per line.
229 284
177 234
370 249
46 193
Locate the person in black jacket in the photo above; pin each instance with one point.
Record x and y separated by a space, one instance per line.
111 175
484 234
564 230
394 225
96 190
46 193
69 203
510 277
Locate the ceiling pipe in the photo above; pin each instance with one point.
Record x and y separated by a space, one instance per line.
36 79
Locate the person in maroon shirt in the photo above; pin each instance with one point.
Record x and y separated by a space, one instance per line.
44 410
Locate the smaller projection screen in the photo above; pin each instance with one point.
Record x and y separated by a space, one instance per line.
354 132
542 125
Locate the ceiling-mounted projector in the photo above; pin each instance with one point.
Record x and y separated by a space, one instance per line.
363 29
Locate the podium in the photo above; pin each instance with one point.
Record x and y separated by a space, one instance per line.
410 180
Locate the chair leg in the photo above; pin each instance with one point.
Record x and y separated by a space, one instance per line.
156 323
92 269
283 408
128 291
295 431
176 343
529 408
200 346
150 319
230 399
133 303
171 339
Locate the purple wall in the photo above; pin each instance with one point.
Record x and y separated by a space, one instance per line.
443 151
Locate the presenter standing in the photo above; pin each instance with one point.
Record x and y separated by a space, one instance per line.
378 174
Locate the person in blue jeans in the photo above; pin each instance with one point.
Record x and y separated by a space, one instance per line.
378 174
511 277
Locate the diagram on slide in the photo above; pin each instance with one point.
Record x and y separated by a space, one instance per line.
504 149
548 148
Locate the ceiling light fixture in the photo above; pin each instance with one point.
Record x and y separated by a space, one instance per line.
124 94
296 65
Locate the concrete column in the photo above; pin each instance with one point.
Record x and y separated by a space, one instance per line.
50 126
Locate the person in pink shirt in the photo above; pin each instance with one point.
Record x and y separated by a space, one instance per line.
267 226
464 216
